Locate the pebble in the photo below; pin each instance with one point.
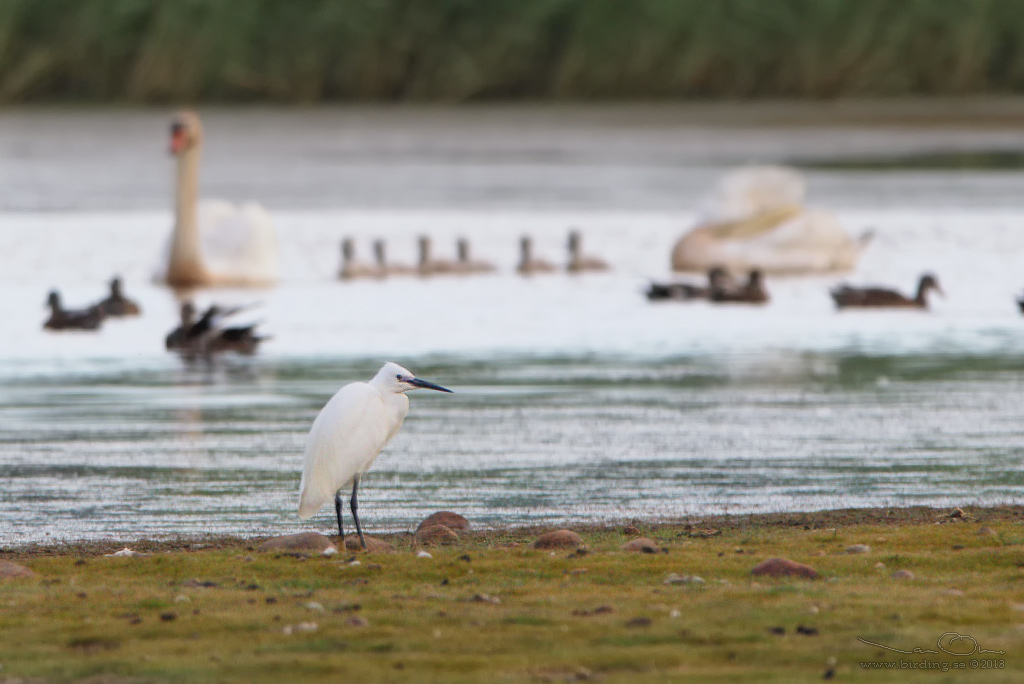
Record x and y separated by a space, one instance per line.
674 613
986 531
373 545
9 570
452 521
674 578
436 535
181 598
559 539
125 553
858 548
641 545
357 621
329 551
631 530
880 565
305 542
902 574
313 605
953 592
783 567
423 554
485 598
301 627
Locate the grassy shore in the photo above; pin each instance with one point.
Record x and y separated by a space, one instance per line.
459 50
492 609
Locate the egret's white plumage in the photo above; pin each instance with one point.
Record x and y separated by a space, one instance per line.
350 432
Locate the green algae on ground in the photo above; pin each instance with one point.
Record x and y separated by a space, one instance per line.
492 609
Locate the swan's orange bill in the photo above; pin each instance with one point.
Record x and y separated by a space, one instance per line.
178 139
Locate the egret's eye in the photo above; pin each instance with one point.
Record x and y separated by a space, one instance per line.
399 376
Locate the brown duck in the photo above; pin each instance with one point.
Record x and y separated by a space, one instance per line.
682 292
68 319
117 304
879 297
751 292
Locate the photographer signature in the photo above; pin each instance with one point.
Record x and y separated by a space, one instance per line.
944 644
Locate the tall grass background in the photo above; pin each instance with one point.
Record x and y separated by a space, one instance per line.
464 50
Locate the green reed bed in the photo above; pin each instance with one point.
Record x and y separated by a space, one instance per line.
465 50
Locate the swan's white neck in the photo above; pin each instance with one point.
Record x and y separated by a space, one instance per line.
185 266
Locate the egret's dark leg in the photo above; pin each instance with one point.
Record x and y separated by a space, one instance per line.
355 516
337 509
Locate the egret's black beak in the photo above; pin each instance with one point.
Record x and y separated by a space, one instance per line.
426 384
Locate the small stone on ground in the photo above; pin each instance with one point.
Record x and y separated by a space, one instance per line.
452 521
559 539
373 545
858 548
435 535
305 542
641 545
783 567
9 570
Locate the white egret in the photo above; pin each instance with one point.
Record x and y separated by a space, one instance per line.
348 434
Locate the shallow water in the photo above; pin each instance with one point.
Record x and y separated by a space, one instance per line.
575 399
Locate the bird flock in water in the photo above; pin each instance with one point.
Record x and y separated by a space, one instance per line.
193 261
210 333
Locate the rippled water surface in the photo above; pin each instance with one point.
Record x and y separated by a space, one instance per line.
575 399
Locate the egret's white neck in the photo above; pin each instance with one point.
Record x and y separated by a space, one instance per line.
186 264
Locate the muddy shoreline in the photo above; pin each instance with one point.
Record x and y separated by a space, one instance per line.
828 519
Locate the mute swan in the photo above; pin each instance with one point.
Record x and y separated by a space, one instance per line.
117 304
879 297
579 263
466 264
215 242
528 264
67 319
751 292
756 220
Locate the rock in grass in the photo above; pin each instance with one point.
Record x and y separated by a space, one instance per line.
641 545
986 531
436 535
306 542
858 548
373 545
673 578
559 539
783 567
452 521
9 570
903 574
